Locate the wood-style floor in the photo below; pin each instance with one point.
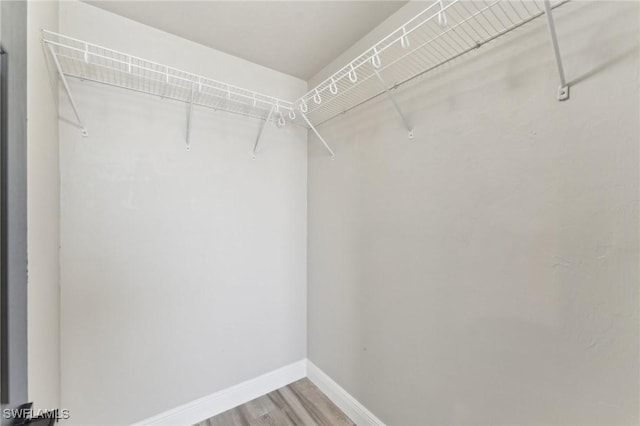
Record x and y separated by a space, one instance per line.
299 404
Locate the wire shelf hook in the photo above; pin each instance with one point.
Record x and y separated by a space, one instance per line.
375 59
316 97
333 87
292 114
281 121
353 76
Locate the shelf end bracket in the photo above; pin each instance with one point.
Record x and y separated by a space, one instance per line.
563 90
189 113
259 138
395 105
333 156
83 130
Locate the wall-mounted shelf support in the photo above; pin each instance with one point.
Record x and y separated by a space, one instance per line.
304 116
189 111
395 104
255 146
563 90
83 129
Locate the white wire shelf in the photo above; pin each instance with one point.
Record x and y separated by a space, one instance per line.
444 31
88 61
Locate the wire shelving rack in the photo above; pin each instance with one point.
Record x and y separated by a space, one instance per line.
87 61
441 33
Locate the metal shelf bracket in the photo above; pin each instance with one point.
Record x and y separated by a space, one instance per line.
259 138
304 116
395 104
563 90
189 113
83 130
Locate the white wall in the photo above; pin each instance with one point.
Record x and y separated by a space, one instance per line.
182 273
486 272
43 212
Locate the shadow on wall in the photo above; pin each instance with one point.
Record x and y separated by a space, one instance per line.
626 55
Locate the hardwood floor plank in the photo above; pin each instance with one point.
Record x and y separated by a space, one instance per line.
304 414
299 404
275 418
321 407
235 417
283 405
259 407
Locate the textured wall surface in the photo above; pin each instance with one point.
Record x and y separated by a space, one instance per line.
182 273
486 272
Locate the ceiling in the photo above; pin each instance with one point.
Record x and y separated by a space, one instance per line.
295 37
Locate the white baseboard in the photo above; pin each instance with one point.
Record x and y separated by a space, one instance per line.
216 403
347 403
208 406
